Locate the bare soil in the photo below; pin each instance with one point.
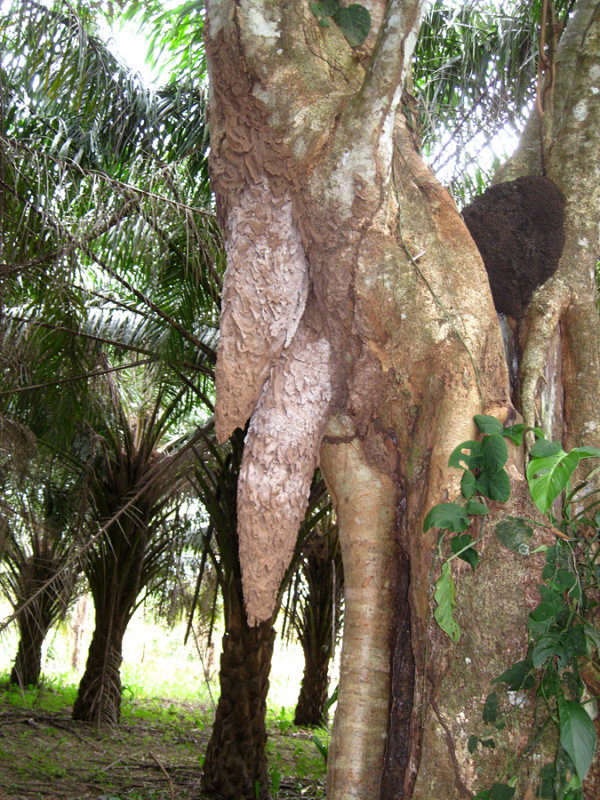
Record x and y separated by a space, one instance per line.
155 754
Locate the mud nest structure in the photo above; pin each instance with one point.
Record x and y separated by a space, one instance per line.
518 227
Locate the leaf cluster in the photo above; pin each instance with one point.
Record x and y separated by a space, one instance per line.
562 662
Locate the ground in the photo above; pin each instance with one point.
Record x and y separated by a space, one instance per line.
154 754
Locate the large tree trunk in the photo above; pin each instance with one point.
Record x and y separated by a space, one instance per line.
235 764
358 318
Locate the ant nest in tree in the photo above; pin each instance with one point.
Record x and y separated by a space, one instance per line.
518 227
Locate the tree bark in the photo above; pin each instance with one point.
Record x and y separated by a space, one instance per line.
235 764
357 318
310 708
114 575
28 662
319 610
44 603
99 694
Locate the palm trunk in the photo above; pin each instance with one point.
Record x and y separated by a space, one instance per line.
235 766
28 663
36 618
115 583
310 709
99 694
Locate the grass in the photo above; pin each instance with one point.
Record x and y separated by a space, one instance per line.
167 712
155 754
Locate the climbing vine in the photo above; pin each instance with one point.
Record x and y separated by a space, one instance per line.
561 669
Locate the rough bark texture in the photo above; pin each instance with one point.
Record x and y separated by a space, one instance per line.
99 695
319 610
235 761
562 327
115 575
44 604
397 348
313 691
28 662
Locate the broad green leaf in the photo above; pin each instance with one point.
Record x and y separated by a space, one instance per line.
494 452
354 22
543 448
502 791
487 424
445 597
577 735
564 580
490 709
499 486
447 516
472 743
544 649
587 452
466 456
541 618
468 484
514 533
593 634
515 433
468 554
326 8
517 676
475 506
547 775
548 476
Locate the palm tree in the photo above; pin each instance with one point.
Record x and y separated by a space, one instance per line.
112 266
235 763
40 565
314 613
132 483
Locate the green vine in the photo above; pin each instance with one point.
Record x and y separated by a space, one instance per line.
563 640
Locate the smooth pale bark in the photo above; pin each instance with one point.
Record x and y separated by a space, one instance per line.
394 347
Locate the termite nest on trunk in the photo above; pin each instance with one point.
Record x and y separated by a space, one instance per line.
518 227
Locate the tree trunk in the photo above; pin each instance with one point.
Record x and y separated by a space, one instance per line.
310 708
114 573
99 695
318 610
357 317
28 662
44 603
235 761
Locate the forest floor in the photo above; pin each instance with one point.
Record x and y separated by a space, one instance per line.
154 754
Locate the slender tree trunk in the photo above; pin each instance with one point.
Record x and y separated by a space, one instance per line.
79 619
235 761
